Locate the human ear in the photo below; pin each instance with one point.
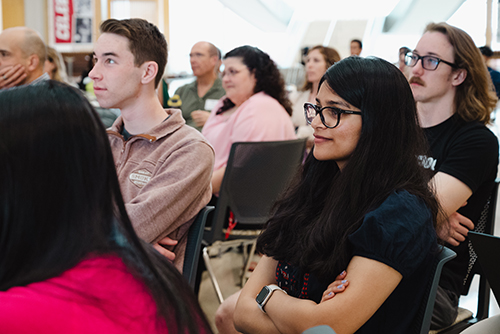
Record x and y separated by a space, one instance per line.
150 69
214 59
33 62
459 76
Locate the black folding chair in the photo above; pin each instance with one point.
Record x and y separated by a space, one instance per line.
256 174
427 307
193 246
465 318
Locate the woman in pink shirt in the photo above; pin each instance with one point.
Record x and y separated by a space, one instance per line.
70 261
255 107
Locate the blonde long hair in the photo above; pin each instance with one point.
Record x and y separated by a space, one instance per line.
59 71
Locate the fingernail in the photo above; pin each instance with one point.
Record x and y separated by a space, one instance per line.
344 281
340 286
342 273
330 294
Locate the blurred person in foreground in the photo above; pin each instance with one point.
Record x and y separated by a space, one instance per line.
70 261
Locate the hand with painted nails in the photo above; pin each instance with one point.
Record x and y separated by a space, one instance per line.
12 76
338 286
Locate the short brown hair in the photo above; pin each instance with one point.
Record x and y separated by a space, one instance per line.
146 42
474 99
330 55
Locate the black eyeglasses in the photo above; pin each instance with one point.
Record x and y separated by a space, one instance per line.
428 62
330 116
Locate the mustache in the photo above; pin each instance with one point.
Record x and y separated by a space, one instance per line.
417 80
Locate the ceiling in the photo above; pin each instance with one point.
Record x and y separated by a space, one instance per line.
401 16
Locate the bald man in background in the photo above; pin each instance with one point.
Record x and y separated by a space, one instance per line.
22 57
199 97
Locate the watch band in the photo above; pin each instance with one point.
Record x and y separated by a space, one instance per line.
266 293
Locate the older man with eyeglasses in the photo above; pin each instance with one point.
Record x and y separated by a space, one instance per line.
450 85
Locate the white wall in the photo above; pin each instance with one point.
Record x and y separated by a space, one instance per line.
34 16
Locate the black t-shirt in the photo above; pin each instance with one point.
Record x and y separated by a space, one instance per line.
467 151
400 234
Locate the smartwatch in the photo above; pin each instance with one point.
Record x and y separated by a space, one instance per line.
266 293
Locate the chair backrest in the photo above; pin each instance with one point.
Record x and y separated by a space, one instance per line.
486 247
193 245
444 256
256 174
486 225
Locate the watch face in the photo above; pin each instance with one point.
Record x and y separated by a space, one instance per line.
262 295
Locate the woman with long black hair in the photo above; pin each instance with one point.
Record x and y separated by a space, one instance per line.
70 261
361 203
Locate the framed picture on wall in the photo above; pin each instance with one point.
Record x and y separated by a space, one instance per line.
71 23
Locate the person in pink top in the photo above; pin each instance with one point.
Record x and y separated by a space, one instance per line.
70 261
255 107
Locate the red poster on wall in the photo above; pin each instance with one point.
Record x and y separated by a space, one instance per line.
63 21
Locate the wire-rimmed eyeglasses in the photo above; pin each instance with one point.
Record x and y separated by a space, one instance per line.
330 116
428 62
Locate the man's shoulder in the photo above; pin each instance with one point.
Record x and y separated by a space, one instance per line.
458 128
462 139
216 90
191 86
187 133
474 130
176 133
217 84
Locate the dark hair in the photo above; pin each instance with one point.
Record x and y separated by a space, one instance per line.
404 50
486 51
146 42
475 98
60 195
268 77
330 55
359 43
311 223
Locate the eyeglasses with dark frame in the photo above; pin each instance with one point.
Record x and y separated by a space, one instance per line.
330 118
428 62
